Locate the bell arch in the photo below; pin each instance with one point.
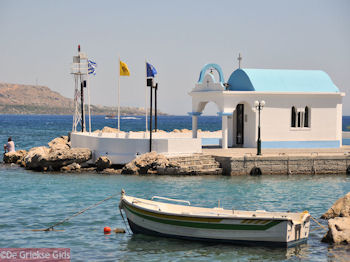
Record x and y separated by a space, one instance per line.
207 67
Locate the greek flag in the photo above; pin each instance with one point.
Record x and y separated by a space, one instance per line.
92 67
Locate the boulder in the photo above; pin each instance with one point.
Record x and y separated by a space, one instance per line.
338 231
59 143
111 171
103 162
34 157
43 158
147 164
14 157
72 167
341 208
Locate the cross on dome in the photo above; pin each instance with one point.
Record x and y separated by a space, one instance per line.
239 60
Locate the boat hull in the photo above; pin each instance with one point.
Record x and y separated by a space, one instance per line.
136 229
265 232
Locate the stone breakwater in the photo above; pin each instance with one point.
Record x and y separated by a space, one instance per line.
284 164
59 156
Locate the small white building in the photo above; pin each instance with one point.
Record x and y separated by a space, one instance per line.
303 108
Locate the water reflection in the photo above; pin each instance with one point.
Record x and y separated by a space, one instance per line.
167 249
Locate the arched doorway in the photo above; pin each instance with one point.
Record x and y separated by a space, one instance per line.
239 125
242 127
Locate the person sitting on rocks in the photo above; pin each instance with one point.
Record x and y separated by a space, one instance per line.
10 146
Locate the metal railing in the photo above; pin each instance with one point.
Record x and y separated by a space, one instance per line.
171 199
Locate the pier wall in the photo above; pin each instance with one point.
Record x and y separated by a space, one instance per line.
284 165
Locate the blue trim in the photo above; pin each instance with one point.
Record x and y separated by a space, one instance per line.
208 66
194 113
346 141
224 114
301 144
210 141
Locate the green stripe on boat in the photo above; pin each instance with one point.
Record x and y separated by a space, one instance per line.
149 216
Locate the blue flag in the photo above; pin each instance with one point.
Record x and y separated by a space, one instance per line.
92 67
151 71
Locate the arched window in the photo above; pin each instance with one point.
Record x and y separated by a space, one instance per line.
293 122
306 117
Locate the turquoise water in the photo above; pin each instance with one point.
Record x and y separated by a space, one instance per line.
31 200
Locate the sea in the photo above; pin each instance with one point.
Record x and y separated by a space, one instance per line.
33 200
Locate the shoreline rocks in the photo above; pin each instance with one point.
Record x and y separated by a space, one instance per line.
341 208
338 231
14 157
43 158
58 155
339 222
148 163
102 163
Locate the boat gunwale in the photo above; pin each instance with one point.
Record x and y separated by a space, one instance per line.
223 216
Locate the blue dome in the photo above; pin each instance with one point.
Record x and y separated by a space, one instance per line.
271 80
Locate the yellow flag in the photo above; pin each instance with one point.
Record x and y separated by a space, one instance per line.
124 70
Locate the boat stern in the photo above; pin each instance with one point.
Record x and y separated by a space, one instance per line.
298 229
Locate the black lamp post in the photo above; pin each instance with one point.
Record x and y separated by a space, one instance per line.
259 106
150 84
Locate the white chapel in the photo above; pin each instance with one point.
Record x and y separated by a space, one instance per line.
299 108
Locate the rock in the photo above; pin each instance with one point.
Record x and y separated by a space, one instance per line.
131 169
111 171
147 163
341 208
338 231
34 157
87 169
41 158
59 143
14 157
72 167
103 162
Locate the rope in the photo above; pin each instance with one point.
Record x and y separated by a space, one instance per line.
318 223
127 229
76 214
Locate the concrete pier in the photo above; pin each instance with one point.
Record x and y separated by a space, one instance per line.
244 161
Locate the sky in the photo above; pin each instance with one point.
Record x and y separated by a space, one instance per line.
39 37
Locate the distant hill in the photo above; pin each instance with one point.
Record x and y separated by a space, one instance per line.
30 99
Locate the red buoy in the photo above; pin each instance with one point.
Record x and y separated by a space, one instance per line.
107 230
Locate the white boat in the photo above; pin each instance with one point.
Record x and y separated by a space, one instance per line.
110 117
214 224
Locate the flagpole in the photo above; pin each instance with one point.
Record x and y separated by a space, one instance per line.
119 97
146 97
88 89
